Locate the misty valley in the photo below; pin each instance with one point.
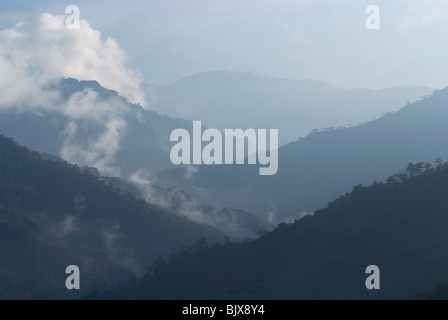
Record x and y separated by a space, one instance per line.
139 236
216 168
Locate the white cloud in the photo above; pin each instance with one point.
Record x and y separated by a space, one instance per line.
20 86
40 52
86 105
35 52
98 150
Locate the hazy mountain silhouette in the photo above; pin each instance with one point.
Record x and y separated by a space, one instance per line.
399 226
124 139
322 165
227 100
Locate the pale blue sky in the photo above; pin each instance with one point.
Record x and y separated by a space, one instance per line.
322 40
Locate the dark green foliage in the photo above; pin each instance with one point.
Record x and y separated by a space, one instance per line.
53 214
399 226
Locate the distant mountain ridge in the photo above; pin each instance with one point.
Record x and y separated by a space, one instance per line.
324 164
226 100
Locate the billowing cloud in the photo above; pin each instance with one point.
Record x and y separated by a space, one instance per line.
35 52
98 152
35 55
96 149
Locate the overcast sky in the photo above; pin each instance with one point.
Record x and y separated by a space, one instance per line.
323 40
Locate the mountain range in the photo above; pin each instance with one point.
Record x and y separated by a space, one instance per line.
94 126
102 193
324 164
228 100
398 226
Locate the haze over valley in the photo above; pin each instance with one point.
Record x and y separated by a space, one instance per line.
223 149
